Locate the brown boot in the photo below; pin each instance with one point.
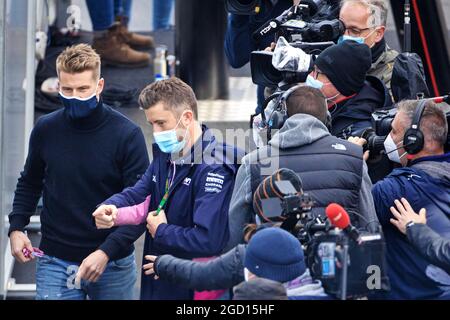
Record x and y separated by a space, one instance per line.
114 51
134 40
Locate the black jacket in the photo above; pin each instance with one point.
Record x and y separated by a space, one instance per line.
352 116
431 245
223 272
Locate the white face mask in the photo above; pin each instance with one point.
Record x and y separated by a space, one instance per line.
246 274
392 150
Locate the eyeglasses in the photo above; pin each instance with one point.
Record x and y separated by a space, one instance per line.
356 32
316 72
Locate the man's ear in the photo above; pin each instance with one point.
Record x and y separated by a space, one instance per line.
379 33
101 85
187 117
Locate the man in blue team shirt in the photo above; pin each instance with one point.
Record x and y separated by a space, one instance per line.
190 182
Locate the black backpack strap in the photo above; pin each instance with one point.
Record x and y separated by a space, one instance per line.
255 176
255 173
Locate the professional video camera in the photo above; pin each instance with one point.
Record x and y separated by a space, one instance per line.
253 7
289 208
337 253
345 258
381 126
311 26
265 74
310 21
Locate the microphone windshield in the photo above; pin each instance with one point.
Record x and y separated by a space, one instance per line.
337 216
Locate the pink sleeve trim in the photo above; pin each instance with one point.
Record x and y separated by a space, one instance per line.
133 215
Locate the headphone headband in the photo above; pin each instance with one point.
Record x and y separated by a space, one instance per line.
418 114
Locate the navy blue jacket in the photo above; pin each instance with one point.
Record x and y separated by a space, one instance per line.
410 274
196 210
351 117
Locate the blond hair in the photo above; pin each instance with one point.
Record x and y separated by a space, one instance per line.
77 59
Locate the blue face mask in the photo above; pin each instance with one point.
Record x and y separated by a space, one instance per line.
346 37
314 83
168 142
78 108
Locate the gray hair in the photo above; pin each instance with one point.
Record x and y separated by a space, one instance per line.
377 9
433 123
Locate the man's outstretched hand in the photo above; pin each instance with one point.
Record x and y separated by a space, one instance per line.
105 216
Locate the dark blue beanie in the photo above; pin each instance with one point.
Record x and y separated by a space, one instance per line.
275 254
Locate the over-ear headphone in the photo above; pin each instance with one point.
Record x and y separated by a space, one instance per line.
413 140
279 115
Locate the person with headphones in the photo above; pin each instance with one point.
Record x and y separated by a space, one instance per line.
331 169
416 141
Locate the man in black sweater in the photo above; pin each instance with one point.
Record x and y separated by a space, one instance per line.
78 157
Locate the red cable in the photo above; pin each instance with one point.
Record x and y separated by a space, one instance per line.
425 48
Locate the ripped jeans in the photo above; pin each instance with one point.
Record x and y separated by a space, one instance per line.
55 280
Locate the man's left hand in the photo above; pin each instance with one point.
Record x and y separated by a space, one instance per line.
405 213
153 222
92 267
360 142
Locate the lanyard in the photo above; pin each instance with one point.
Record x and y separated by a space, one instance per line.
166 193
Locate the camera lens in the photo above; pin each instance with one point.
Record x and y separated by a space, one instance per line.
375 144
385 127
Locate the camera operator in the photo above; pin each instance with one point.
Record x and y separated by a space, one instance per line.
424 180
329 167
340 73
429 243
365 22
238 38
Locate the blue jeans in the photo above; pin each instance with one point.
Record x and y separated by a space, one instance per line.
161 13
55 280
104 12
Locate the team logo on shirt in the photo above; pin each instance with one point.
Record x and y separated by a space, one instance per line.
187 181
214 182
154 178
